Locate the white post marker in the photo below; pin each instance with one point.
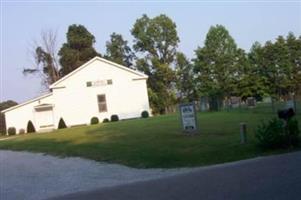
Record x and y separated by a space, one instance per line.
188 118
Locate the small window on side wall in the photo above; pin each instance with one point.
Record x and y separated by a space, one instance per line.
109 81
89 84
102 103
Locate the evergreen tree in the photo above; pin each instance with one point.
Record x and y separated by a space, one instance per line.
30 127
62 124
77 50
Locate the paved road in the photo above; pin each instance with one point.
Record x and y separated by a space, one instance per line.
275 177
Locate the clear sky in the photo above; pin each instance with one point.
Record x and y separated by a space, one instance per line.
21 23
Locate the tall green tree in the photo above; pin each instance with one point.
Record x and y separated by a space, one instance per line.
277 66
215 64
77 50
156 40
185 79
268 68
282 66
294 50
117 50
254 82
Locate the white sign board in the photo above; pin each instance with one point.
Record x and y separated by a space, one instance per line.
99 83
188 117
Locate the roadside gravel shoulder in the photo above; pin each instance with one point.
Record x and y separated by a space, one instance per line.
36 176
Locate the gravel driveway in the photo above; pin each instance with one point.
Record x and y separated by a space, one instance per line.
36 176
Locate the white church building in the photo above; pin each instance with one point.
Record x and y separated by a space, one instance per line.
98 88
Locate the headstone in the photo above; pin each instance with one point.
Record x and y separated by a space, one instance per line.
188 118
267 100
204 104
213 103
235 102
251 102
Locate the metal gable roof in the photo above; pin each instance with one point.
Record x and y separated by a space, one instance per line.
26 102
142 75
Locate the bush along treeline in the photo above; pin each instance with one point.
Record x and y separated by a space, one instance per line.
219 69
5 105
281 132
278 133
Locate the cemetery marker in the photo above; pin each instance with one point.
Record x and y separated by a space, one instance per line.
243 133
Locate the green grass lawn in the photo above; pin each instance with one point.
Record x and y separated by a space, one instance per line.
152 142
